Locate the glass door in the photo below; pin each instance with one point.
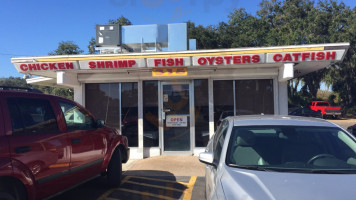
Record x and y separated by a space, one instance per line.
176 117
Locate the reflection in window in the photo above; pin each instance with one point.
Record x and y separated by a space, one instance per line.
201 103
251 97
31 116
223 100
254 97
150 114
102 100
129 100
75 117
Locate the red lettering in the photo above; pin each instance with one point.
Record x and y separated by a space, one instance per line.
236 59
277 57
52 66
219 60
157 62
305 56
255 58
100 64
330 55
227 59
38 66
210 60
320 56
312 56
69 66
170 62
131 63
246 59
44 66
108 64
201 61
296 56
23 67
92 65
122 63
287 57
32 67
61 65
179 61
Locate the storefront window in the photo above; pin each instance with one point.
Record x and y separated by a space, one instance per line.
201 108
129 100
103 101
254 97
223 100
250 97
150 114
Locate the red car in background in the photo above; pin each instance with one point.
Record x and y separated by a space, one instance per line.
49 144
325 109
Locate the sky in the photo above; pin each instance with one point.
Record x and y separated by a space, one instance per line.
35 27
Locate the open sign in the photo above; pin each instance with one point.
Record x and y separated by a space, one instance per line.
176 121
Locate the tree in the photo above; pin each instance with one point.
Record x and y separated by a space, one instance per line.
123 21
66 48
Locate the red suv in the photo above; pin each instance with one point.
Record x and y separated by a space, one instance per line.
49 144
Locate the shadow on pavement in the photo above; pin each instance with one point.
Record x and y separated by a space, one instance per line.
136 184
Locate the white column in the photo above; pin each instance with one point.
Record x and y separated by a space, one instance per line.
79 94
140 119
286 72
283 98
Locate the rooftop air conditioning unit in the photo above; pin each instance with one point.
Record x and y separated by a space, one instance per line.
108 35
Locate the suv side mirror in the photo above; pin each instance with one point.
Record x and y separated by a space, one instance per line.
207 158
100 123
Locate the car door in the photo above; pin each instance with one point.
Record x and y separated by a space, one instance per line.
88 143
36 142
211 171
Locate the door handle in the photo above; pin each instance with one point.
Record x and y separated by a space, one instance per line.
76 141
22 149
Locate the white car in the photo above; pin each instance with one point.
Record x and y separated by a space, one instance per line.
280 157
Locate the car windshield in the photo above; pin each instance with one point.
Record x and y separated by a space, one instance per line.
292 149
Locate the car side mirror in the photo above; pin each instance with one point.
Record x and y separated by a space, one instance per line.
100 123
207 158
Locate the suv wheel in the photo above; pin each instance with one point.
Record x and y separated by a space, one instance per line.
115 169
11 190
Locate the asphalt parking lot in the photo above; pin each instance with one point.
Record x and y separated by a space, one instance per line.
161 177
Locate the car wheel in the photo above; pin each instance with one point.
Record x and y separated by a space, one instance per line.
11 190
114 170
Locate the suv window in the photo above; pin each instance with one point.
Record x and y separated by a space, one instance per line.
75 117
219 140
31 116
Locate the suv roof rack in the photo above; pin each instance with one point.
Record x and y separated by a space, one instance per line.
20 89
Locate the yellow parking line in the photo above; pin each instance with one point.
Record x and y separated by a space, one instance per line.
188 192
155 186
156 179
146 194
106 194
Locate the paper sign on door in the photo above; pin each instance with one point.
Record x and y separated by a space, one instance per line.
176 121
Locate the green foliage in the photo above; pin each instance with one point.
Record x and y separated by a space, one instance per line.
123 21
66 48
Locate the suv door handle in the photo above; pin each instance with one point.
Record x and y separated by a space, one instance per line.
76 141
22 149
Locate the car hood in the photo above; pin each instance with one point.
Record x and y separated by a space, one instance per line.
250 184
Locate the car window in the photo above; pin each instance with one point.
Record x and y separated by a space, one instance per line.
31 116
219 140
292 148
75 117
